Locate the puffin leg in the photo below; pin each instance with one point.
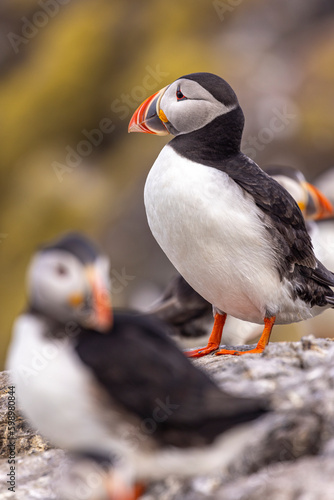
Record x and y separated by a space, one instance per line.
138 490
133 494
214 340
264 340
119 489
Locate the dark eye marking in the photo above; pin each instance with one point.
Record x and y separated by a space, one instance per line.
180 96
61 270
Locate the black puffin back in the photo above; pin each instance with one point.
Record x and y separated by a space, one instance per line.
144 372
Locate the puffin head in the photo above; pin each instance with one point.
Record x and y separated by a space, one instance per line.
186 105
68 280
312 202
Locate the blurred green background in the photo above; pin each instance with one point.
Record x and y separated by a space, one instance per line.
75 70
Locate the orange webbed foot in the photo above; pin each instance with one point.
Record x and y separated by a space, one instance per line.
268 326
203 351
214 340
223 352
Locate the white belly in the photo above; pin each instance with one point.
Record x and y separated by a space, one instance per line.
56 393
211 231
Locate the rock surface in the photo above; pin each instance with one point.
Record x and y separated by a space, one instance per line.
26 440
293 459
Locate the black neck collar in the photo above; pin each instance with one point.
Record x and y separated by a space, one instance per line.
53 327
212 144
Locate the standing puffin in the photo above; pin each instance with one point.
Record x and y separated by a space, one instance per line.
190 315
115 385
235 235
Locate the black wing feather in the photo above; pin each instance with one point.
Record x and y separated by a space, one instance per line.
323 275
278 205
144 373
293 243
180 303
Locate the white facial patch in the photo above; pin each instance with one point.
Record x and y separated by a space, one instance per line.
195 111
53 277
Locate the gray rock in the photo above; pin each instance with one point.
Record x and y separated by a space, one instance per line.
309 478
36 474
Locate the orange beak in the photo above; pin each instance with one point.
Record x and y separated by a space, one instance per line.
148 117
319 207
102 317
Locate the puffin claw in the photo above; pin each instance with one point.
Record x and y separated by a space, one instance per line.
203 351
225 352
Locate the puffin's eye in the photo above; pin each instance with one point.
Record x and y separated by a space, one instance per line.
179 95
61 270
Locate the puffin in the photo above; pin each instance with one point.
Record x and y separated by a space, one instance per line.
325 227
116 385
325 182
234 233
190 315
187 313
323 239
314 204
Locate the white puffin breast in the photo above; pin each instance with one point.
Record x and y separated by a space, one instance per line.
213 233
57 393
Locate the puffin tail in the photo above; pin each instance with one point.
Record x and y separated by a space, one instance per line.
330 300
323 275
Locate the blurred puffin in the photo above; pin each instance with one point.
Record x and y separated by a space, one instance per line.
323 240
235 235
325 182
316 203
190 315
115 386
187 313
325 229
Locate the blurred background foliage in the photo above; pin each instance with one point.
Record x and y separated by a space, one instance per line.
67 66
